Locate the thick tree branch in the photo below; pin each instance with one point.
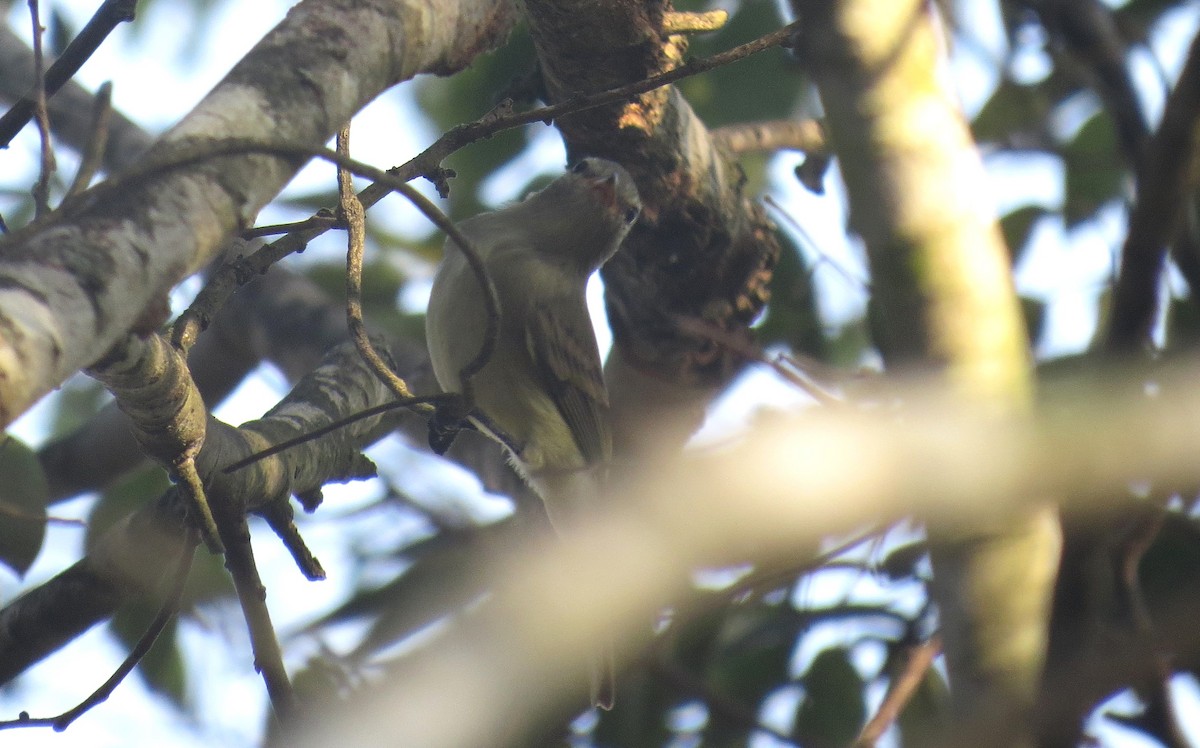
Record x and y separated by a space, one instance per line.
701 248
787 486
75 283
117 567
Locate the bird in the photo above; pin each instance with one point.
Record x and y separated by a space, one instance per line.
541 394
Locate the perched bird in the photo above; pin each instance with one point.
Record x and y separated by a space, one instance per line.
542 391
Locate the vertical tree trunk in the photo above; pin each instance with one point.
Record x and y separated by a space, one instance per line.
944 305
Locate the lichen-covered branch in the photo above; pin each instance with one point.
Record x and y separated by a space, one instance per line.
74 283
124 563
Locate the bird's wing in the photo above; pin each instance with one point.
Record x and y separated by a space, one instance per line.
563 349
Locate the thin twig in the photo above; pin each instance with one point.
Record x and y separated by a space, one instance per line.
41 189
192 488
774 135
1160 716
234 146
317 433
427 162
816 247
356 234
93 152
731 709
252 595
281 518
900 691
13 512
429 159
699 328
756 583
166 612
321 220
106 18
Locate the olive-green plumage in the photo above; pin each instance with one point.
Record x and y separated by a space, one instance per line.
543 386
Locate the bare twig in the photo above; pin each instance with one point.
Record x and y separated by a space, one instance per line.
41 189
154 387
757 583
775 135
850 278
692 22
901 689
356 233
339 424
323 219
268 657
281 518
429 159
731 709
191 154
699 328
111 13
166 612
427 163
93 153
7 510
1159 717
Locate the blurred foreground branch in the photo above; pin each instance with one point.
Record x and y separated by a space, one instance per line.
781 489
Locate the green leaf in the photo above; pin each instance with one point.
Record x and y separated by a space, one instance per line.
754 651
1094 172
847 346
208 579
639 716
1017 227
77 401
123 498
1034 313
833 710
764 86
1183 322
694 639
24 495
1012 108
901 562
1172 564
925 717
792 315
381 282
466 97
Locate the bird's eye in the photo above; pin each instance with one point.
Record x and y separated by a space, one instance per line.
580 167
631 215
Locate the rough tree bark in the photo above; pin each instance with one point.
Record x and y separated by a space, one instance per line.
80 280
99 266
701 250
